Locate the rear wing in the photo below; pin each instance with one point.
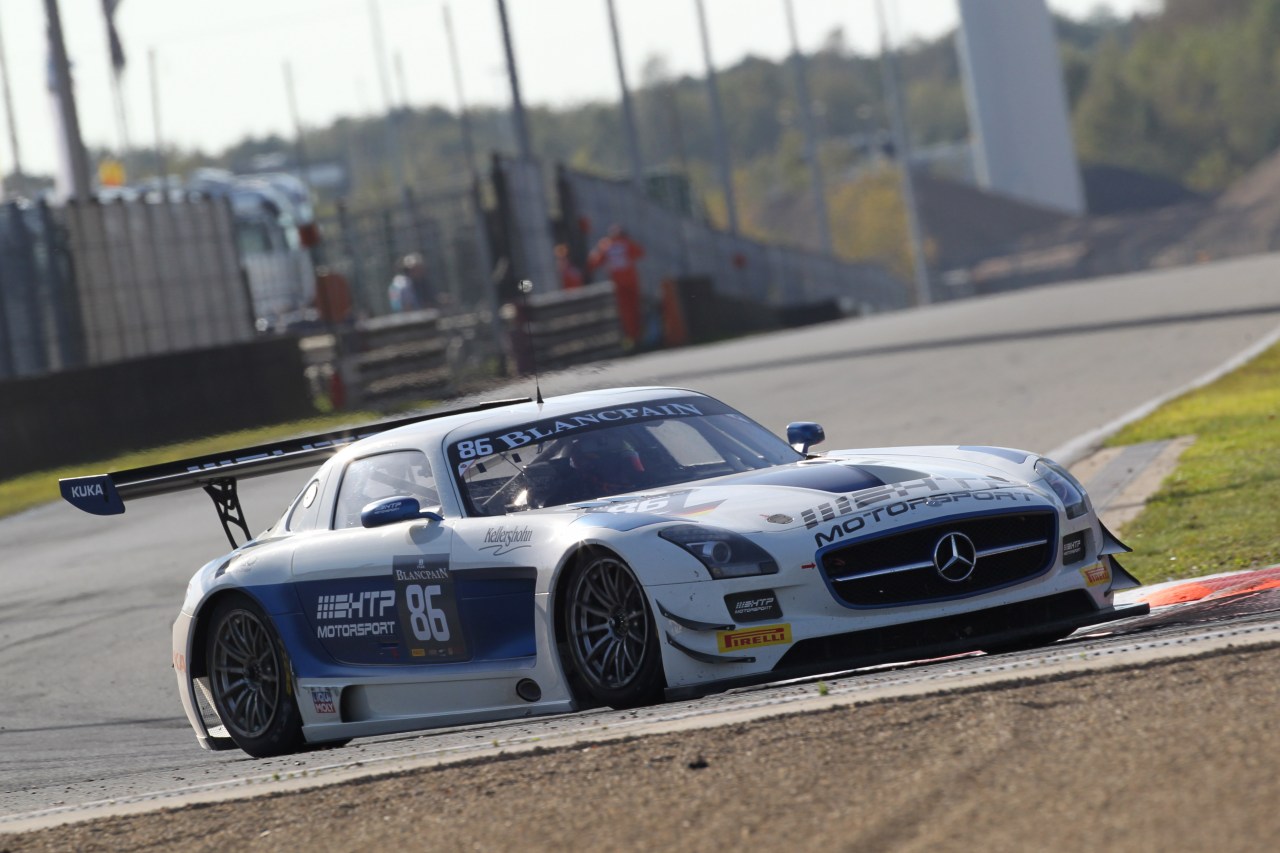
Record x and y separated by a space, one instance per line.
217 473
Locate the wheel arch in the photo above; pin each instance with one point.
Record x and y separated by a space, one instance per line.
555 605
197 665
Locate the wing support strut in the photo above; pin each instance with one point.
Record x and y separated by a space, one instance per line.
227 501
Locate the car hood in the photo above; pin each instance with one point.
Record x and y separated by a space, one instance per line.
807 493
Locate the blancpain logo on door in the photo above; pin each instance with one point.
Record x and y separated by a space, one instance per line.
503 540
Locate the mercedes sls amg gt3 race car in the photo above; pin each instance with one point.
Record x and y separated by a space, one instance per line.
602 548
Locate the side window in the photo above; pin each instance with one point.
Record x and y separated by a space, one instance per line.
305 509
399 473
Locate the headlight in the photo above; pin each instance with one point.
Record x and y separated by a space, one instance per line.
1066 487
724 553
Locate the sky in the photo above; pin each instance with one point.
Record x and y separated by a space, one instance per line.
221 63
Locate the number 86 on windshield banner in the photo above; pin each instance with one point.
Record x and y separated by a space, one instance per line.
428 606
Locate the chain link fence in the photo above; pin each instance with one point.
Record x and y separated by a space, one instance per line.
39 315
680 246
443 229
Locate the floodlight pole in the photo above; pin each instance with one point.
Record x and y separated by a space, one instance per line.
628 114
901 144
8 108
77 157
810 134
717 124
517 102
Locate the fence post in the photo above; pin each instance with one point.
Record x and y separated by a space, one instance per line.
64 290
6 338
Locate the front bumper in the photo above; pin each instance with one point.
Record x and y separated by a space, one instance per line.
930 638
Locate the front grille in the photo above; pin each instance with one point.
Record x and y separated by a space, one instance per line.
899 568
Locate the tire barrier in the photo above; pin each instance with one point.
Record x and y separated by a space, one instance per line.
401 358
551 331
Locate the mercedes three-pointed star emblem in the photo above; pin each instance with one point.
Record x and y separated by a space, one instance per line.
954 557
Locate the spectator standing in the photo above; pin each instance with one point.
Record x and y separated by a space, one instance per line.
409 289
570 275
617 254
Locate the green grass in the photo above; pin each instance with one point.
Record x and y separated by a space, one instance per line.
42 486
1220 509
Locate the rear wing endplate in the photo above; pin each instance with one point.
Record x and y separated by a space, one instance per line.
217 473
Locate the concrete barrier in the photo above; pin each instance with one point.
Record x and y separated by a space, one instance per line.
94 413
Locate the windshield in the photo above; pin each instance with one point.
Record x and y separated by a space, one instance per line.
597 453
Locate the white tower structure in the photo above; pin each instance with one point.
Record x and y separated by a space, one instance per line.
1018 120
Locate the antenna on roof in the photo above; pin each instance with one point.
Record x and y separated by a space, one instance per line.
525 287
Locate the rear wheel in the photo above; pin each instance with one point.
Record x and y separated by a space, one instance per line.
251 679
613 642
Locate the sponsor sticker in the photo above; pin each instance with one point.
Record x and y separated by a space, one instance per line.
758 606
673 503
1098 573
428 609
847 525
322 698
504 540
1074 547
569 425
750 638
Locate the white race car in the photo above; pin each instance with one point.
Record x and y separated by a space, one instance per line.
603 548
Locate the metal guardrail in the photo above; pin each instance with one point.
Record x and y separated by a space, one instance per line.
386 362
399 358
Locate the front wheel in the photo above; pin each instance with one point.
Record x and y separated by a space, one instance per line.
251 680
613 642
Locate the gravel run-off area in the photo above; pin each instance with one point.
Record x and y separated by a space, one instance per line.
1174 755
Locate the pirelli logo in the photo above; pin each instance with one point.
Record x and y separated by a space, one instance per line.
750 638
1096 574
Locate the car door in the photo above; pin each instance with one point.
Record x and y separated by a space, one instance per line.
382 595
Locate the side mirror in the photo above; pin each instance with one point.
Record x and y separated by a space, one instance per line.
391 510
805 434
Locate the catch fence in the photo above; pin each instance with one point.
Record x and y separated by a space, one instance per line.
679 246
444 229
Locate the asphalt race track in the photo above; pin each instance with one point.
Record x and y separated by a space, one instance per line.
89 712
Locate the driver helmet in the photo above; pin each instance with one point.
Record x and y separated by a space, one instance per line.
607 463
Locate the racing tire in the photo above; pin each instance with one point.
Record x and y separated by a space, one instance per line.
612 640
251 679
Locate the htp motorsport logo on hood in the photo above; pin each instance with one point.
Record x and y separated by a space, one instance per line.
854 512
